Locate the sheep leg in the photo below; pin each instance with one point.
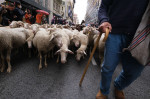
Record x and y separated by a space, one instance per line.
102 59
45 60
90 50
3 62
29 53
8 61
49 54
40 65
52 53
57 59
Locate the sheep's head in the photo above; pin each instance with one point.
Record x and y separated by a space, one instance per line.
30 36
35 28
44 26
80 53
76 40
64 53
87 30
27 25
13 24
59 26
20 24
56 38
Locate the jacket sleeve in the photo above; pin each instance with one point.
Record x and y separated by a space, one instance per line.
103 11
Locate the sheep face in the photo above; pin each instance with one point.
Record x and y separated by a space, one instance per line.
20 24
29 44
64 53
80 54
35 28
57 39
87 30
27 25
13 24
30 37
76 40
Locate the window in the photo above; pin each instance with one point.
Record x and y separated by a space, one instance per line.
46 3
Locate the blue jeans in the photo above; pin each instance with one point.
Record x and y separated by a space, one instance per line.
112 56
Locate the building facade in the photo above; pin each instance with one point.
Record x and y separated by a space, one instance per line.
75 19
91 16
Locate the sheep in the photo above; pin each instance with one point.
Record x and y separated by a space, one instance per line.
15 38
27 26
45 41
101 45
15 24
82 40
44 26
63 51
35 28
90 32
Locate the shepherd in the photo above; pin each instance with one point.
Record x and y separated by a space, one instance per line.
122 17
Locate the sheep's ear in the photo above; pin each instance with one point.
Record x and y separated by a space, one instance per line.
30 27
72 38
52 37
70 52
84 53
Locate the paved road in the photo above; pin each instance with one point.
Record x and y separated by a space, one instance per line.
59 81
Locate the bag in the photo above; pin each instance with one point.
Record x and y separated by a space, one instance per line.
140 45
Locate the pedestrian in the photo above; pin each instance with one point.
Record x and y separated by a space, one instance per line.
8 16
18 12
122 18
28 16
83 22
44 20
39 18
33 19
2 10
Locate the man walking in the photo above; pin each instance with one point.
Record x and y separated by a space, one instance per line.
122 18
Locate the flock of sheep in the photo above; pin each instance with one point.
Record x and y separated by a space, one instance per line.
44 38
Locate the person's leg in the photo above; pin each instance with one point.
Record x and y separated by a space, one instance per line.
131 71
112 57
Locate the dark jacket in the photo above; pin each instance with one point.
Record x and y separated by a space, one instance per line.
19 13
124 15
8 16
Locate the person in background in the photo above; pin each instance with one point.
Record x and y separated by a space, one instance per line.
28 16
33 19
8 16
2 10
39 18
18 12
83 22
44 20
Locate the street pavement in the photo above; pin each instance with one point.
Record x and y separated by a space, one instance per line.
61 81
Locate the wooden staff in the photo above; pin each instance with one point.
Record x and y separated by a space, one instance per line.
93 51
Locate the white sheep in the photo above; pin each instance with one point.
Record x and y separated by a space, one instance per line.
13 38
45 41
15 24
64 50
101 46
82 40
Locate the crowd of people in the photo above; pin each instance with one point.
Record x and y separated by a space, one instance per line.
57 20
12 12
